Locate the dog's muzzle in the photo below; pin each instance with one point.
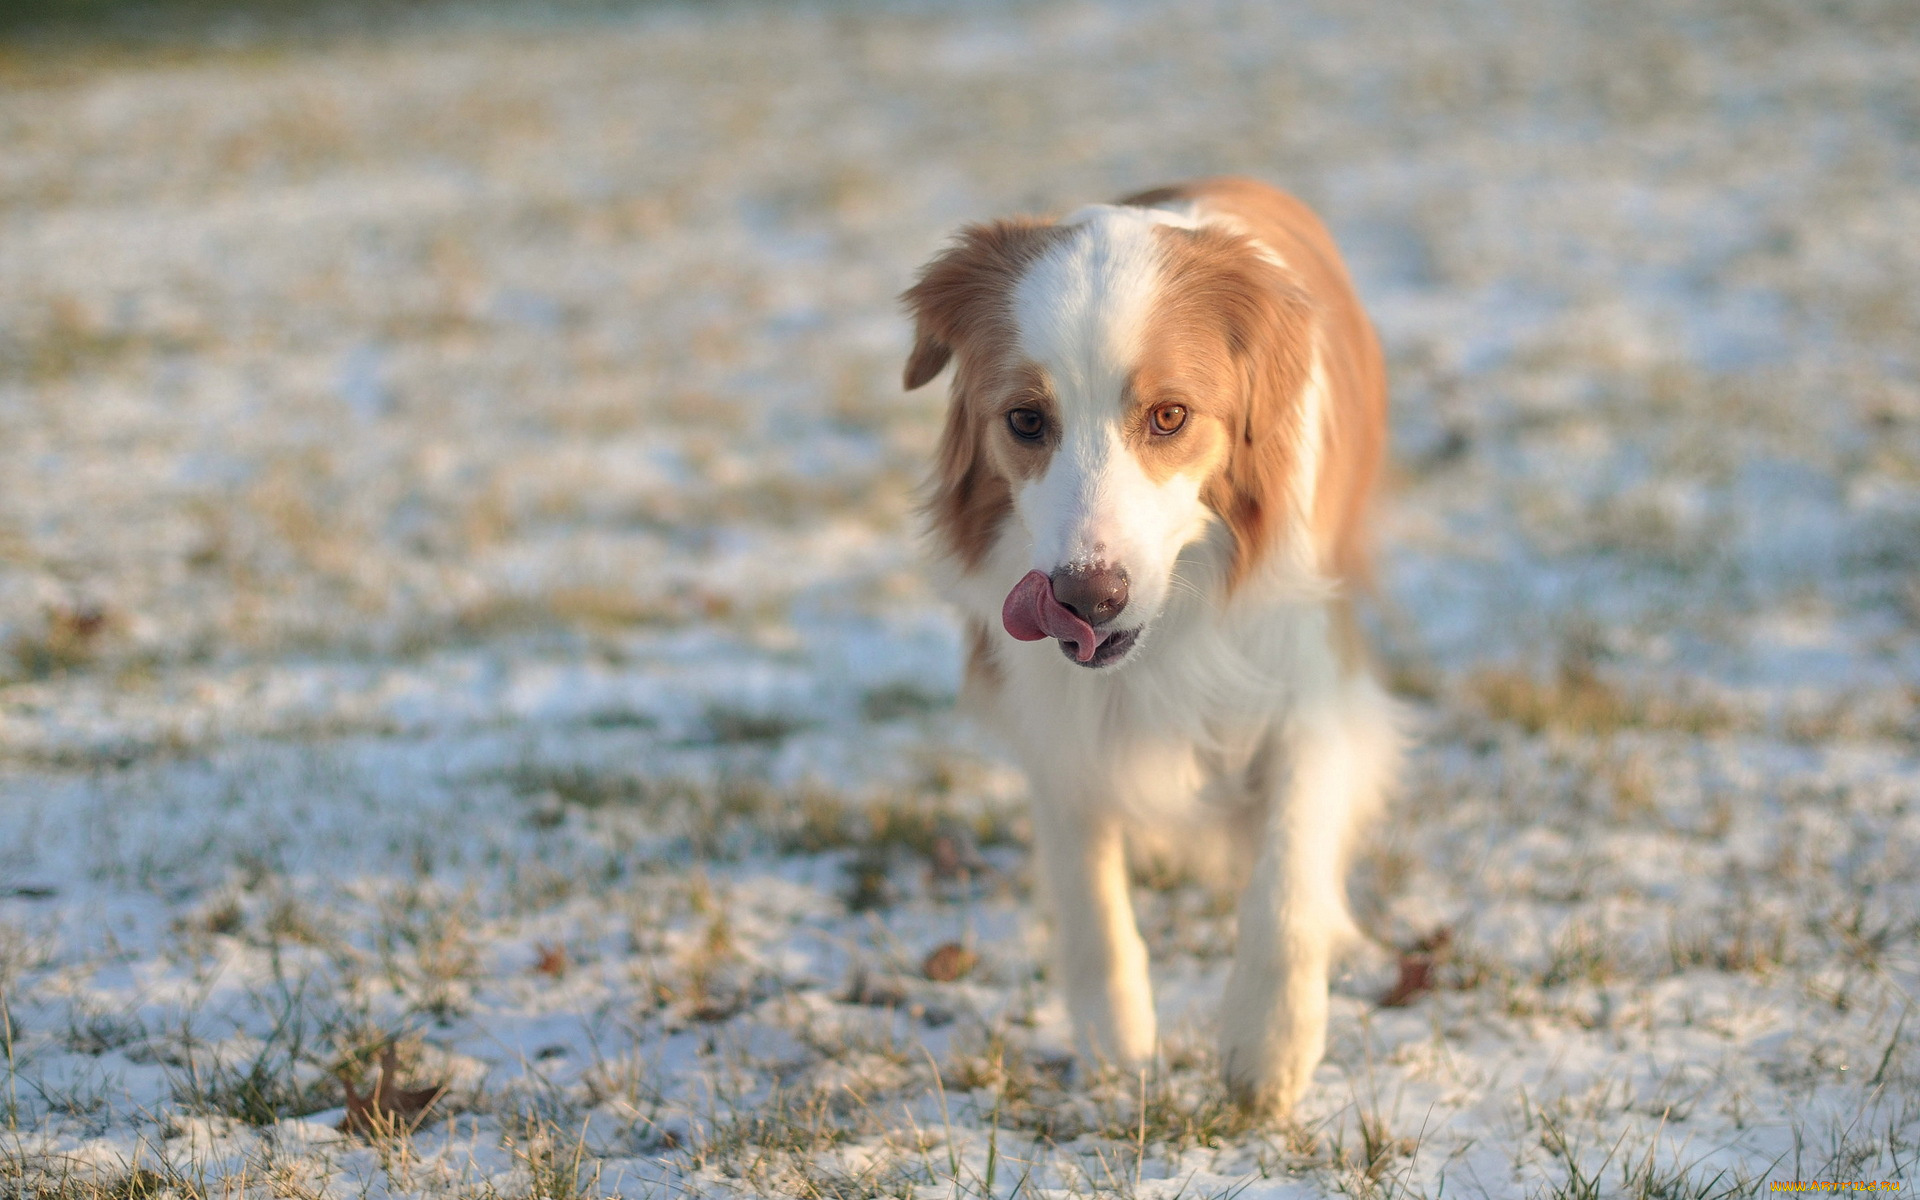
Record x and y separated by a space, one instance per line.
1060 606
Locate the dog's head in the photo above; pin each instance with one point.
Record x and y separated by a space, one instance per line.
1124 380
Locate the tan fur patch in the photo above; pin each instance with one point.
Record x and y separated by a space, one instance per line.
962 310
1024 385
1185 360
1275 317
1235 332
983 673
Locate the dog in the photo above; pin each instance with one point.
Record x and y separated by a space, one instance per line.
1149 503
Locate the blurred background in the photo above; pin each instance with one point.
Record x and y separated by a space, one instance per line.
414 417
381 329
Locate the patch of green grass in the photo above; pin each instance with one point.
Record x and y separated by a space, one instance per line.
556 1160
777 1146
1579 1178
70 342
97 1032
588 788
429 949
727 726
1173 1110
1582 1171
1578 699
1581 953
56 1177
272 1083
897 701
741 814
1646 1178
1737 943
144 21
69 638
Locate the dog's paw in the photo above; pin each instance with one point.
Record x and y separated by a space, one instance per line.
1268 1058
1117 1032
1112 1009
1271 1090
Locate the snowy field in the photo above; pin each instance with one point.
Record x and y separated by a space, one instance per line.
458 604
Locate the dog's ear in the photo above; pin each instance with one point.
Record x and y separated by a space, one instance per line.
965 293
1268 320
962 307
1314 396
1270 330
930 354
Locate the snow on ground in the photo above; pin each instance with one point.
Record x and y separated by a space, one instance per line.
457 593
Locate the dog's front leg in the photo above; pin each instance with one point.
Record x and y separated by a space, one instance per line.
1102 962
1293 913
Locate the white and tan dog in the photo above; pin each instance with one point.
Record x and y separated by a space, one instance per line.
1166 419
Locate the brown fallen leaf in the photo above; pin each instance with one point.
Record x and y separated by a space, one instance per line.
390 1109
1416 979
949 962
552 960
1417 969
81 622
954 856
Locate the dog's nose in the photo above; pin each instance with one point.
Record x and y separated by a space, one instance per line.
1095 594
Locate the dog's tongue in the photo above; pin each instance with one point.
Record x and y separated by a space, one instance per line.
1031 613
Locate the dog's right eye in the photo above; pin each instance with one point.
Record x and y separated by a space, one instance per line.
1027 425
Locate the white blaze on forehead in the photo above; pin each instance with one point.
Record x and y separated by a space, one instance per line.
1082 308
1081 312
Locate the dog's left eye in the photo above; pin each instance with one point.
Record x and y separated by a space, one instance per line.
1168 418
